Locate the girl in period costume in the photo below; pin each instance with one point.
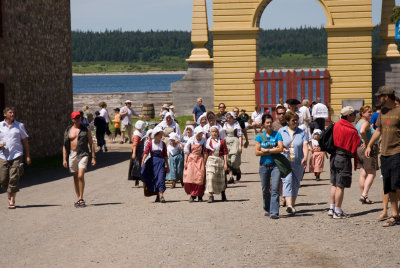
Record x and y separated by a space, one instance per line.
135 164
317 156
194 172
202 120
234 143
212 122
153 170
217 164
187 134
175 159
168 125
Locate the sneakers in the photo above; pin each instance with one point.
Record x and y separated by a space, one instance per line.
290 210
330 212
341 215
274 217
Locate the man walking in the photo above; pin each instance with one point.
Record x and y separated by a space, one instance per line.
319 114
13 144
388 126
77 139
198 109
346 140
126 113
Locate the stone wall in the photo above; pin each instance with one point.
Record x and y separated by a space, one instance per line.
114 100
35 69
386 72
197 83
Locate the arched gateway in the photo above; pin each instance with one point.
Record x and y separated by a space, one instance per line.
235 36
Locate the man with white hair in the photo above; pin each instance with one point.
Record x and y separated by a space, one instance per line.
126 113
198 110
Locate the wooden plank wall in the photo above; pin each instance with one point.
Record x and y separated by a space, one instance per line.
235 34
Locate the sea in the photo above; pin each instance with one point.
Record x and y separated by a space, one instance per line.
123 83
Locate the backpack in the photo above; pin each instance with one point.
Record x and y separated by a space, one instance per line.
325 140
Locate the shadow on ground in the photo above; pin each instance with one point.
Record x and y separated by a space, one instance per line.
33 177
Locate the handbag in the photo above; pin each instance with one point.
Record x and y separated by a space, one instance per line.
280 160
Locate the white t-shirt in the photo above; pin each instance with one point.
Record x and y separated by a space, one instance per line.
305 114
104 113
256 117
320 110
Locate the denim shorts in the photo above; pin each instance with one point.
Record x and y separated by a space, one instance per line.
390 166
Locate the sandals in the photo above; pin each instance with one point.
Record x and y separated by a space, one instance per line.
392 221
80 203
382 217
365 200
11 206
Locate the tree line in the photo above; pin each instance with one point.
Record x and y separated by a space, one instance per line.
151 46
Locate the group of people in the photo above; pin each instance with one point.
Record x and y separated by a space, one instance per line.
206 156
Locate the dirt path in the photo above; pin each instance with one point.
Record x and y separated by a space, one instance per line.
122 228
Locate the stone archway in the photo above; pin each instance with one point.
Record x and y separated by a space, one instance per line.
235 32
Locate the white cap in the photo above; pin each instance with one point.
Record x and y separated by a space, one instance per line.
173 136
317 131
139 124
347 110
198 130
232 114
155 131
148 133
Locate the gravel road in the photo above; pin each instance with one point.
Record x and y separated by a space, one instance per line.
122 228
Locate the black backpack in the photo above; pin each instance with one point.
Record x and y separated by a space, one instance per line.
326 140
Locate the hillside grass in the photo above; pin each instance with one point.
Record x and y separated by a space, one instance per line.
286 61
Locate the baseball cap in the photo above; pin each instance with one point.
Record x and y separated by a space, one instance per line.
74 114
347 111
384 90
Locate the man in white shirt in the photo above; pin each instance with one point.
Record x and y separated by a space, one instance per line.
305 113
13 144
126 114
319 114
256 117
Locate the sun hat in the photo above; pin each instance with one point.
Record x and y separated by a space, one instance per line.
171 107
165 105
75 114
139 124
128 101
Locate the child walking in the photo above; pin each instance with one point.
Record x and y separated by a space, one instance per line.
117 125
216 165
154 168
194 172
317 156
175 159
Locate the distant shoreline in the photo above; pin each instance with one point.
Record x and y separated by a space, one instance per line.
130 73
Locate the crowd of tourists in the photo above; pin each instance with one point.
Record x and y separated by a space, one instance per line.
206 156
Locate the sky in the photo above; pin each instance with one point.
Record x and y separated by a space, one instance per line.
145 15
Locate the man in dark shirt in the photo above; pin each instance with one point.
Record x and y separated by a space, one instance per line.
198 110
101 127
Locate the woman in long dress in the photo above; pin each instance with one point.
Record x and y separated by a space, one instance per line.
194 172
153 169
175 159
234 143
135 165
217 164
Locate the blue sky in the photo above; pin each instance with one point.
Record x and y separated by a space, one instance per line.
145 15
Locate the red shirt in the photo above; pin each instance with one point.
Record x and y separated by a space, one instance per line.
149 149
223 150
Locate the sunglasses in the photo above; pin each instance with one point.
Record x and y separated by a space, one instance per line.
280 113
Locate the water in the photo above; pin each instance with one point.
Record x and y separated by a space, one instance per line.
123 83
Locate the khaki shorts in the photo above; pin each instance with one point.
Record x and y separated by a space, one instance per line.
10 173
126 127
76 162
368 164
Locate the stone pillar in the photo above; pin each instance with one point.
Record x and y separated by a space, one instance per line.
198 81
388 48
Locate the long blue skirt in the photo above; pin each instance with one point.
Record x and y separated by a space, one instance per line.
175 166
153 174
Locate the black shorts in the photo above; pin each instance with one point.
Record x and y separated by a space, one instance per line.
390 167
117 131
341 170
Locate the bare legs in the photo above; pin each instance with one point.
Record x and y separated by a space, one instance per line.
79 183
336 196
365 183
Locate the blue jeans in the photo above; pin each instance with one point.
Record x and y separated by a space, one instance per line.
270 179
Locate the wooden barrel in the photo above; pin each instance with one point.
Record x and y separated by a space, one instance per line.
148 110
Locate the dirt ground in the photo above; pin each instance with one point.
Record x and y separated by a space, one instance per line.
122 228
